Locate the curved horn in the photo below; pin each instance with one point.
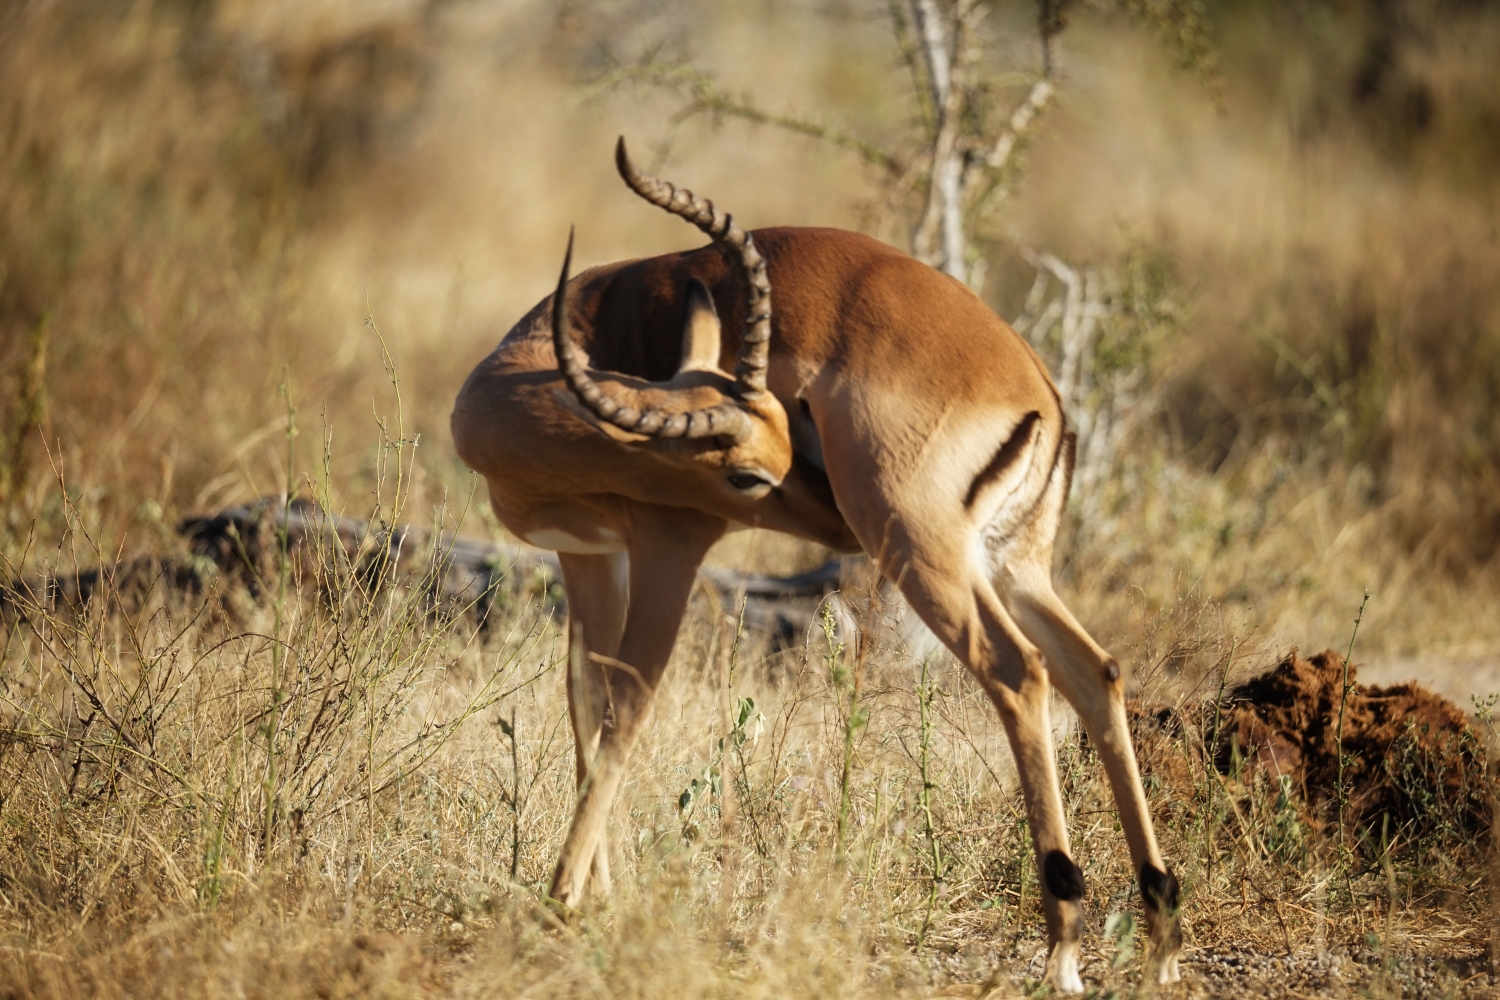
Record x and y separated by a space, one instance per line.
755 344
727 421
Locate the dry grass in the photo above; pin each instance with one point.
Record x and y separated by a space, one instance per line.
339 790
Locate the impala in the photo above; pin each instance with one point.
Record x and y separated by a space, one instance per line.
883 409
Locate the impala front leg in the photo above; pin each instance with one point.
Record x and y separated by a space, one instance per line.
598 591
666 547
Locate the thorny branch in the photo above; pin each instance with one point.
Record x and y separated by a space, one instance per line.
997 157
962 165
705 96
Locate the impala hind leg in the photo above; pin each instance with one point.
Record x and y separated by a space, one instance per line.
972 622
666 546
598 592
1089 678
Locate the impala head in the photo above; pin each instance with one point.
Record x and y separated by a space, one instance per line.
725 427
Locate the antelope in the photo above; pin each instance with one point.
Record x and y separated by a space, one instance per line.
882 408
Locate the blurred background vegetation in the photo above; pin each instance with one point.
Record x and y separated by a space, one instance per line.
1290 208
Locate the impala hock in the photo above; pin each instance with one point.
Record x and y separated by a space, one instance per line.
883 409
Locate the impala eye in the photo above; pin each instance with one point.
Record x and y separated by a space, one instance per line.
747 481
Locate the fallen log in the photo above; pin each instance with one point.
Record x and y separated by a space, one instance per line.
248 546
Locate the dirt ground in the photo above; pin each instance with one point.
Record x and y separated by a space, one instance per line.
1236 970
1415 771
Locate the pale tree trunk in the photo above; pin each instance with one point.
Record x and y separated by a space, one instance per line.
940 238
943 52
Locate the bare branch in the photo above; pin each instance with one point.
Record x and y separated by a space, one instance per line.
725 104
1020 120
902 28
989 162
957 169
706 96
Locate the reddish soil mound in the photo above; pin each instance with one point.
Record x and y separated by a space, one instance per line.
1409 754
1412 764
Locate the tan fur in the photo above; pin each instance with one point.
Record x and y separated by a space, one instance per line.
898 382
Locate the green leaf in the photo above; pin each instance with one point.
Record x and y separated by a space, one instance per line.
1119 927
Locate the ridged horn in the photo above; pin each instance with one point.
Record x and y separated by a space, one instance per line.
755 344
724 420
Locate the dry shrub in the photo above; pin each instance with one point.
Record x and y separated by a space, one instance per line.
201 203
1325 396
340 789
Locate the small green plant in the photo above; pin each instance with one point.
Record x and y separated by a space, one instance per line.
1343 791
708 784
847 683
1119 930
515 797
211 888
1286 837
275 712
926 691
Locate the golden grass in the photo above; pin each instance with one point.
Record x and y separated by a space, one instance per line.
342 791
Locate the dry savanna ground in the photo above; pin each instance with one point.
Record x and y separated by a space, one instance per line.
252 249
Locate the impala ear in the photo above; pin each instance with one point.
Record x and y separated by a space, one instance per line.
700 330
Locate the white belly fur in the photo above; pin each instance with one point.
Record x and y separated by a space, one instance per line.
557 540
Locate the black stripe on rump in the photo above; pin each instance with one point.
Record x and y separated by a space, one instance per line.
1008 455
